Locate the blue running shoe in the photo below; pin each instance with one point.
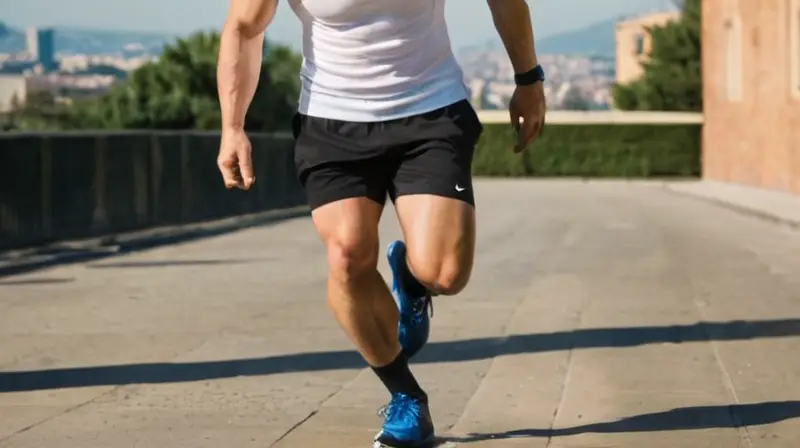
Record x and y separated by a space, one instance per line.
413 301
407 424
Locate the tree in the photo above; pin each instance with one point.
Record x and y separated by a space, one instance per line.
574 99
179 91
41 110
671 77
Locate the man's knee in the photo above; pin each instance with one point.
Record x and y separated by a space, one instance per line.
446 275
349 229
350 256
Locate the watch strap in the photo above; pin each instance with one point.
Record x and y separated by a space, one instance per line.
532 76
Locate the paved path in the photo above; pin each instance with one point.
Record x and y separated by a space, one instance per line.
601 314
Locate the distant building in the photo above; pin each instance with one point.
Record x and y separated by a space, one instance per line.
40 45
17 67
751 92
633 43
476 89
14 90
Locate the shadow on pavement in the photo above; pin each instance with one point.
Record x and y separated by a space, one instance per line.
37 281
169 263
112 246
688 418
434 352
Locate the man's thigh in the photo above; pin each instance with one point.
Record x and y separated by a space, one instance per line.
434 198
439 161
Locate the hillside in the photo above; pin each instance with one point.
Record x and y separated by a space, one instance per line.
11 40
87 41
594 39
597 39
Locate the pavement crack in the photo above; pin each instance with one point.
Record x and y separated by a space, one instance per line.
300 423
314 412
505 337
730 388
565 384
727 380
60 414
89 401
562 397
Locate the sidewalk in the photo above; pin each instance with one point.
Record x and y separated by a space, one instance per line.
16 262
773 205
599 314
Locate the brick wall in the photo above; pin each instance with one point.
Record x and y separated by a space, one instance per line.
751 57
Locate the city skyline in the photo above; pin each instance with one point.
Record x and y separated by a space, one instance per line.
469 20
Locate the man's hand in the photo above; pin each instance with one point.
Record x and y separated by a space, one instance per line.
527 103
235 160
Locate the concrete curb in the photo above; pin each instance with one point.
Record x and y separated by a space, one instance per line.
738 207
27 260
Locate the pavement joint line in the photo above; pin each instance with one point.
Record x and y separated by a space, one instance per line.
58 414
319 406
567 376
727 381
505 336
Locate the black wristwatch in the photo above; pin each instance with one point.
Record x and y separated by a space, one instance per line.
532 76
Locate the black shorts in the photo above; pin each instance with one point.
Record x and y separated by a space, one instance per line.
430 153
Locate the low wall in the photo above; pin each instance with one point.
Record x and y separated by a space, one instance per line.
59 186
594 144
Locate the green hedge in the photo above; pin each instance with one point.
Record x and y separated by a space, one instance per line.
595 150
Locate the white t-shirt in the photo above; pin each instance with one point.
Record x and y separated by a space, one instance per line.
376 60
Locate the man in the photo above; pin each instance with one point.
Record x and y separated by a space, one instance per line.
383 111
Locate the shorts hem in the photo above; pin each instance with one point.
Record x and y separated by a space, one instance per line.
462 196
331 198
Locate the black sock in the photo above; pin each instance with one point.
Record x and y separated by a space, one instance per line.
397 377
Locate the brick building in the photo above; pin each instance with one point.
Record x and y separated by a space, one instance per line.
751 78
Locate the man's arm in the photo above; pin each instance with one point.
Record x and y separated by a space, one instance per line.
512 19
240 57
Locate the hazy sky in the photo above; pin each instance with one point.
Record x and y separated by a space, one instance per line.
469 20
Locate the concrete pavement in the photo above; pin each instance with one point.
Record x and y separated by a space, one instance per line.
774 205
602 314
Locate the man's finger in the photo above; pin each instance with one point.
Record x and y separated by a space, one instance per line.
525 135
514 117
246 170
520 142
536 129
519 130
230 173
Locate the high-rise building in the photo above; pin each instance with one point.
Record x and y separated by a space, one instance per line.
40 45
